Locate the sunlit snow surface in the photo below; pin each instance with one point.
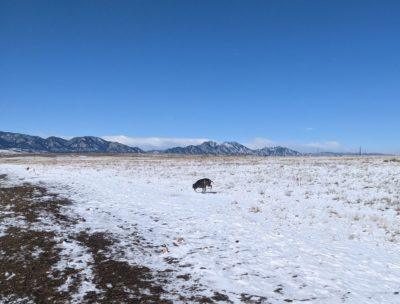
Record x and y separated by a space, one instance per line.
322 230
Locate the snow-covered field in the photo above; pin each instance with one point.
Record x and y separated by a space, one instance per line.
273 230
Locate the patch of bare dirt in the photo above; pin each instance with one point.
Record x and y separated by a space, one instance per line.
32 202
119 281
27 254
27 257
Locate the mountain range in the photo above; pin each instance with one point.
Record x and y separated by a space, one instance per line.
90 144
86 144
230 148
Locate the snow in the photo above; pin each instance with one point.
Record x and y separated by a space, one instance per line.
318 229
78 258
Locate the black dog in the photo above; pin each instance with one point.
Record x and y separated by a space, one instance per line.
202 183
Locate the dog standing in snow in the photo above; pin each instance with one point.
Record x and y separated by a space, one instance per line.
203 184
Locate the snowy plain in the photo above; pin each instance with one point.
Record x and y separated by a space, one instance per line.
316 230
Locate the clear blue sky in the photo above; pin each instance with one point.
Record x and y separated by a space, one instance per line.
301 72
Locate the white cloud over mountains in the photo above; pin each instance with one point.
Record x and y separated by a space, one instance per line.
155 143
326 145
317 146
259 143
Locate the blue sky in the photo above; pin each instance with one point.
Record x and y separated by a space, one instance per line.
313 75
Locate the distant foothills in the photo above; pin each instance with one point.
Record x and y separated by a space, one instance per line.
90 144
